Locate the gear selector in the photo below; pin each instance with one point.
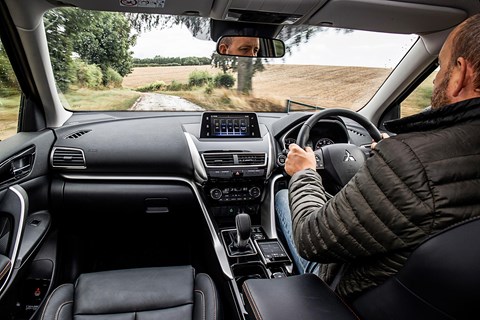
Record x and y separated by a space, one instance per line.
238 239
243 225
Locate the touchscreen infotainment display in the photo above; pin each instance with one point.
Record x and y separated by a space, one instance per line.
229 125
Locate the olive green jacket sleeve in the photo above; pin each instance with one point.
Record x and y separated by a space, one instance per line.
386 206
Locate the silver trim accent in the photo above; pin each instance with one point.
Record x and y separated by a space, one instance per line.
68 167
217 244
268 215
236 154
270 156
16 243
199 169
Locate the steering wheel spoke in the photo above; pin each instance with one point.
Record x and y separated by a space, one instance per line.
319 159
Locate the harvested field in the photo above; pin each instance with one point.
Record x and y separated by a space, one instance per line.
327 86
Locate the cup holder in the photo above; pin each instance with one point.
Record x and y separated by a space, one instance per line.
248 270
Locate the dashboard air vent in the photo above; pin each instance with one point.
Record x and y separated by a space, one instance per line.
218 159
249 159
68 158
229 159
77 134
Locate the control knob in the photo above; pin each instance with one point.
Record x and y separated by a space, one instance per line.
254 192
216 193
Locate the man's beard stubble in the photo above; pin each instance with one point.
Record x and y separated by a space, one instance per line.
439 95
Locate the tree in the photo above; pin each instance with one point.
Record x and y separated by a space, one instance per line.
60 47
201 26
101 38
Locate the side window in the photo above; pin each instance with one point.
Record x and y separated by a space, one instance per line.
419 99
9 97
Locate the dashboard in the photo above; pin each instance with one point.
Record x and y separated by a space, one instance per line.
233 158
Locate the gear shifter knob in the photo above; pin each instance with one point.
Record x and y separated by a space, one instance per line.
243 225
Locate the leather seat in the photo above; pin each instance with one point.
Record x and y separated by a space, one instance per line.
143 294
439 281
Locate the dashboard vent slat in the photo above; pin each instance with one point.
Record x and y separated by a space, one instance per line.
251 159
68 158
229 159
77 134
218 160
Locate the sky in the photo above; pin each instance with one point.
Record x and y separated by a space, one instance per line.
358 48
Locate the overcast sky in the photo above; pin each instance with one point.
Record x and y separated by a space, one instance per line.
324 48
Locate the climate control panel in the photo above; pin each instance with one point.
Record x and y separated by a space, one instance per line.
231 194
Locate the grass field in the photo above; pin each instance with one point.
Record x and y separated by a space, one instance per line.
8 115
108 99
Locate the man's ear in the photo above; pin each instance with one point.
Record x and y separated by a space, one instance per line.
222 48
460 76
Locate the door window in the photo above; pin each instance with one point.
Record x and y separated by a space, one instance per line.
9 97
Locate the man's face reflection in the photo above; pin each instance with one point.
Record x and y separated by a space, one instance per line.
241 46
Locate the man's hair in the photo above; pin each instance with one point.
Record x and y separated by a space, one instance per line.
226 41
466 44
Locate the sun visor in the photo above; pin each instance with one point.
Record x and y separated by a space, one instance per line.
387 16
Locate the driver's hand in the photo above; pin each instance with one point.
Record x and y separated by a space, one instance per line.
384 136
299 159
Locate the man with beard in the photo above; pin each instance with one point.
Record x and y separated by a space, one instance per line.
417 183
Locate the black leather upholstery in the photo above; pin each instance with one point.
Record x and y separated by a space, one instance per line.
440 280
303 297
143 294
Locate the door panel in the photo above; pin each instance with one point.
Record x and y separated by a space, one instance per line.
24 216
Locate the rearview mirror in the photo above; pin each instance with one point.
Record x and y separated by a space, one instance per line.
248 46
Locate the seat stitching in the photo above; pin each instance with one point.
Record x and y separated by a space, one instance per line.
60 308
252 302
5 269
203 302
214 296
49 298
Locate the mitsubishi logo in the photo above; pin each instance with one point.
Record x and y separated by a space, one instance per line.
348 157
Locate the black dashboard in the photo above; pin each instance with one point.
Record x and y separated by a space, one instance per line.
232 157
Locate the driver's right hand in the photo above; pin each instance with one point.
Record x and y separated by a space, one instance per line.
299 159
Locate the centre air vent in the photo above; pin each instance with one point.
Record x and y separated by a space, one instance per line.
257 159
229 159
218 159
68 158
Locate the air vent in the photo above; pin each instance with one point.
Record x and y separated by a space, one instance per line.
77 134
228 159
249 159
68 158
218 159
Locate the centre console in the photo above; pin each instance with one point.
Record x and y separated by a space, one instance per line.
233 158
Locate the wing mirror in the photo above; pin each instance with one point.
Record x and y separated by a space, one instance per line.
248 46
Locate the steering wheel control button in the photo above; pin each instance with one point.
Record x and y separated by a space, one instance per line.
319 159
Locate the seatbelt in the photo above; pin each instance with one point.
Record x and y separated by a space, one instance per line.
338 276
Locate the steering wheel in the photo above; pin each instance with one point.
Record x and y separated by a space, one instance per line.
340 161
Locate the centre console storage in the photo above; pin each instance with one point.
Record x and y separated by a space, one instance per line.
304 297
